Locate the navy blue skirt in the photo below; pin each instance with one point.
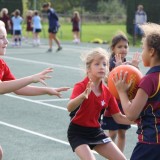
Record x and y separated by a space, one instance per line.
108 123
78 135
144 151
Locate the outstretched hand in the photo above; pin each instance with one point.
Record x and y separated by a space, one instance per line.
118 60
57 91
136 60
88 89
120 82
42 76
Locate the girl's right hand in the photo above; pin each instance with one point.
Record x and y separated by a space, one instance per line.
88 89
118 60
40 77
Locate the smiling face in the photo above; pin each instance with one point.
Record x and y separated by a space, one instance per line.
3 39
121 48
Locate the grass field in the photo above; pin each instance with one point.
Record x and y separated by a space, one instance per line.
88 32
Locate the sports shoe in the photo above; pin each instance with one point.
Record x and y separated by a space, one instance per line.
59 48
49 50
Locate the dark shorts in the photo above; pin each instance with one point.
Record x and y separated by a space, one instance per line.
75 29
108 123
53 29
16 32
78 135
137 30
146 152
37 30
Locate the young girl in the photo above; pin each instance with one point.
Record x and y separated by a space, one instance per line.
17 27
119 48
145 107
88 99
37 27
76 27
29 27
8 83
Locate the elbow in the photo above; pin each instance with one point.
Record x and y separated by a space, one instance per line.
131 117
68 109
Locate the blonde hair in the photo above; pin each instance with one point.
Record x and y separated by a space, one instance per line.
94 54
29 13
76 14
152 36
4 10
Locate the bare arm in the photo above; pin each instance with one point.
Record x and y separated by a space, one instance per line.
121 119
132 108
13 85
74 103
34 91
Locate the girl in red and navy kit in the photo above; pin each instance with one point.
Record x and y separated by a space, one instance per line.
145 107
88 99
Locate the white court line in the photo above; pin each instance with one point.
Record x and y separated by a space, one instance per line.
43 63
45 104
53 100
37 134
37 102
34 133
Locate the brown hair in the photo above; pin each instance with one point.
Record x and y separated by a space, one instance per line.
116 39
152 36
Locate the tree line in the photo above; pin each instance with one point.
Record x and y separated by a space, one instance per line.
92 7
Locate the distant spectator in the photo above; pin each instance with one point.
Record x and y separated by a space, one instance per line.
5 18
53 26
17 27
29 27
76 27
140 18
37 28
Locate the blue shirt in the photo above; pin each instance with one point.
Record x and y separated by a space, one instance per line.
17 23
52 18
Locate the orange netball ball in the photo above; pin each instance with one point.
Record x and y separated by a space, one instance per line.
133 74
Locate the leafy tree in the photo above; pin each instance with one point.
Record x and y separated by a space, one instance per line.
151 7
11 5
114 9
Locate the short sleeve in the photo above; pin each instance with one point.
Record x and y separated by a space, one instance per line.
77 90
149 84
113 106
5 73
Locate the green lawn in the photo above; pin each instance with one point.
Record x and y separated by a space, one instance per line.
89 32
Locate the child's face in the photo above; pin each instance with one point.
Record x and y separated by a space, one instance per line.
3 40
121 48
98 68
145 54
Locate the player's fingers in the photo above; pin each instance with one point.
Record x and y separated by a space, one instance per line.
43 82
121 75
125 76
130 83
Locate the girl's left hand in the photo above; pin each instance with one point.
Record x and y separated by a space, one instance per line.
120 82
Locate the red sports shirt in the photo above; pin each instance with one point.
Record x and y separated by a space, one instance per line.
5 73
89 111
